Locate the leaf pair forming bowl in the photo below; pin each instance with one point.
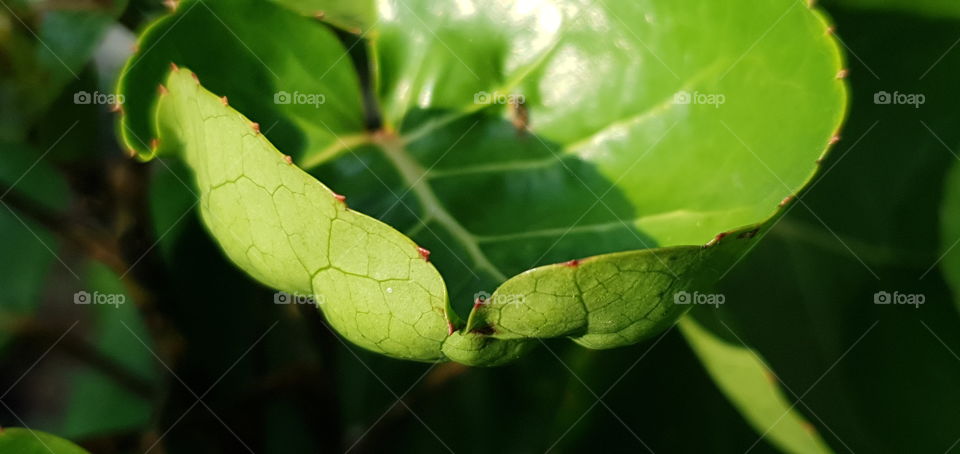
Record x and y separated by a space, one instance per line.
594 165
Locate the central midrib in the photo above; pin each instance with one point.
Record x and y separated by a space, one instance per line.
415 177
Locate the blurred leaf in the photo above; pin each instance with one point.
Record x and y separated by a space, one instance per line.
28 249
750 385
98 405
23 441
46 45
950 236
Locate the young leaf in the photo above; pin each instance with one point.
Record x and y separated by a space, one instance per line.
292 233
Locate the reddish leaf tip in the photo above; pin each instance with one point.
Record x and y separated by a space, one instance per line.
786 200
255 126
572 263
174 67
424 253
843 74
224 101
834 139
717 239
162 90
287 159
450 328
154 144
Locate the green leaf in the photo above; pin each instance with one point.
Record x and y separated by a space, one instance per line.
273 65
356 16
805 299
752 387
291 232
600 151
23 441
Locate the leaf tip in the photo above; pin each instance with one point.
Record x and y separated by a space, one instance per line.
450 328
171 4
162 90
748 234
154 145
716 240
195 78
255 127
340 198
572 263
288 159
117 107
174 67
320 15
786 201
224 101
843 74
424 253
834 139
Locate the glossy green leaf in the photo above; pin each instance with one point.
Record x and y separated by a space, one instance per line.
539 144
752 387
23 441
806 298
287 71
